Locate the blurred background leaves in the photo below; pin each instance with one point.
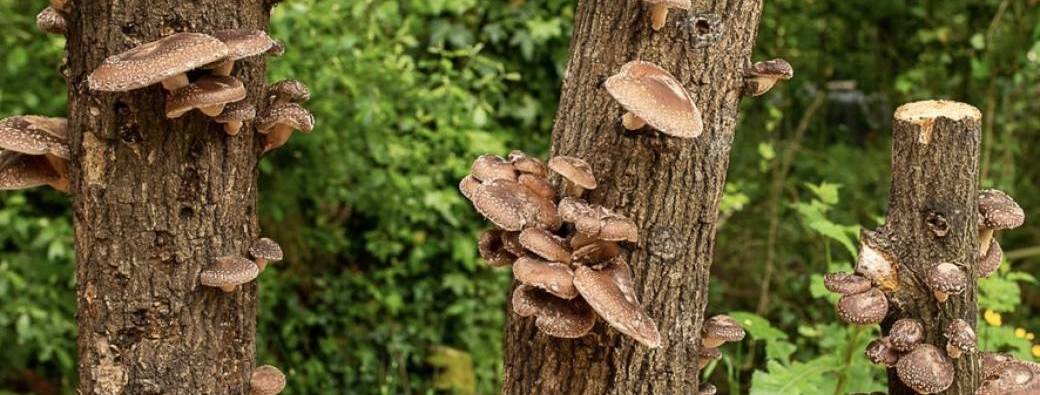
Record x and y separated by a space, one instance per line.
382 292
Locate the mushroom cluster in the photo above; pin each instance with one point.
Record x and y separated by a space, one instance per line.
715 332
924 367
215 92
228 272
564 251
35 152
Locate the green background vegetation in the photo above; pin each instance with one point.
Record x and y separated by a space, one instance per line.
382 292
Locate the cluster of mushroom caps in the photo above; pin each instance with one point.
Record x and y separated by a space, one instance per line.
52 19
715 332
228 272
35 152
215 92
922 367
652 96
563 250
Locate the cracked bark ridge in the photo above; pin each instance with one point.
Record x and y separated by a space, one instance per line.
155 201
935 170
662 182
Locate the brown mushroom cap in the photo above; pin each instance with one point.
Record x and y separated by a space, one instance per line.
511 242
946 279
598 221
999 211
538 185
905 334
609 291
991 261
288 91
34 135
707 389
864 308
706 355
527 164
555 278
21 171
880 352
775 68
236 112
266 380
280 121
229 272
545 244
154 62
513 207
51 21
556 317
208 92
491 167
846 283
599 251
492 249
992 363
266 249
721 329
468 186
244 43
925 369
653 94
574 170
1013 378
960 338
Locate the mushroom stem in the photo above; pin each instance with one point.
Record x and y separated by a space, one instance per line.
261 264
176 82
631 122
278 136
224 68
659 15
212 110
711 342
985 240
229 288
941 296
232 128
953 351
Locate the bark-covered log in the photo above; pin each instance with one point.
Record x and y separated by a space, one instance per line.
932 219
155 201
671 187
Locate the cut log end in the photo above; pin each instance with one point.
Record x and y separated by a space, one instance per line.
924 114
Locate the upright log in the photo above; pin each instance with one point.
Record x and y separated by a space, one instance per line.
671 187
932 219
155 201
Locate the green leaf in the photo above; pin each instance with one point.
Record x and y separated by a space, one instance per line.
809 378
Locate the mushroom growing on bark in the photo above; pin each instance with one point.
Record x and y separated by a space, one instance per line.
905 334
234 115
925 370
553 277
228 272
609 291
210 94
280 121
864 308
163 61
492 167
241 44
721 329
513 207
659 10
960 338
653 96
880 352
288 91
846 283
266 380
21 171
50 21
556 317
545 244
946 279
991 261
997 211
597 221
595 253
1012 378
576 173
527 164
265 251
38 136
491 248
763 75
706 355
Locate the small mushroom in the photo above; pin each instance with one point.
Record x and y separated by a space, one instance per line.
925 369
997 211
905 334
946 279
288 91
266 380
556 317
492 249
609 292
597 221
721 329
491 167
555 278
659 10
763 75
265 251
545 244
234 115
37 135
511 242
228 272
165 60
538 185
577 174
468 186
865 308
876 261
595 253
846 283
210 94
21 171
241 44
1014 378
513 207
706 355
960 338
707 389
51 21
991 261
280 121
277 49
653 96
527 164
880 352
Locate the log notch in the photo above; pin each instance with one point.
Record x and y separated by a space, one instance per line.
932 219
670 187
155 201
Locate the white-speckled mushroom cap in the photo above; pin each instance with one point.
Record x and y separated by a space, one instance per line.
229 271
51 21
556 317
720 329
492 167
947 278
707 389
236 112
513 207
991 261
597 221
653 94
34 135
288 114
880 352
961 335
574 169
1013 377
925 369
151 63
545 244
864 308
999 211
244 43
21 171
775 68
609 291
289 91
905 334
267 249
846 283
554 277
527 164
208 91
266 380
596 252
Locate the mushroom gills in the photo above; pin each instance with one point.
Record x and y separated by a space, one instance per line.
176 82
632 122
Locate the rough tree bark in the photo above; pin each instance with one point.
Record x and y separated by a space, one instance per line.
932 219
670 187
155 201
